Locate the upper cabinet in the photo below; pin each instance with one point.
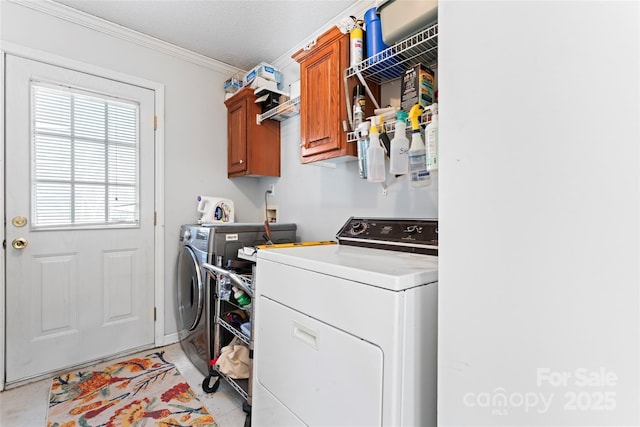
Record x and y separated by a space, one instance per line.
253 149
323 109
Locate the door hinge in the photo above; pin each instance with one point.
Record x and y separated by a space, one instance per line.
155 122
155 218
155 314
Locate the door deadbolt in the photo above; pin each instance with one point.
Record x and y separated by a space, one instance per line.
19 221
19 243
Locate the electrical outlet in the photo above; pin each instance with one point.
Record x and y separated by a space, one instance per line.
272 189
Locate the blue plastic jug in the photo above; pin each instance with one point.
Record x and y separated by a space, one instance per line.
373 32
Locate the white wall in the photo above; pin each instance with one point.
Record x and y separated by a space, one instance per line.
194 123
539 213
320 199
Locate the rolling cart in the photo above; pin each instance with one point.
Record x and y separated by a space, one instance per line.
230 320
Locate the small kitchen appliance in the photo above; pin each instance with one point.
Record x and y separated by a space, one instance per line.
215 210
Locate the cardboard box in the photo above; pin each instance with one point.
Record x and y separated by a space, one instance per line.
418 86
232 85
265 71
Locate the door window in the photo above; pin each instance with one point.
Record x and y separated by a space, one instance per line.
84 159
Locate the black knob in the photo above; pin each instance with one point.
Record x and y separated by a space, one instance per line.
358 228
411 229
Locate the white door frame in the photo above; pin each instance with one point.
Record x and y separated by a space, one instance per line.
158 88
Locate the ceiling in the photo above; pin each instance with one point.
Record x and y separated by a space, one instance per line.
241 33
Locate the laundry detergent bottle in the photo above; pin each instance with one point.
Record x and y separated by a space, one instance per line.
431 136
375 155
417 152
399 151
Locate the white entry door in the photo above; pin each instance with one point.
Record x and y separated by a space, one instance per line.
79 218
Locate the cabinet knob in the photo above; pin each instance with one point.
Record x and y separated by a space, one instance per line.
241 161
301 145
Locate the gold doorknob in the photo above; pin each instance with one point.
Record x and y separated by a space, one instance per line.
19 243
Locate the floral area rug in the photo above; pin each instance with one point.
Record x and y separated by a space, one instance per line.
134 393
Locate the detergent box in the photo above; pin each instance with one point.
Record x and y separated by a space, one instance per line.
266 71
418 86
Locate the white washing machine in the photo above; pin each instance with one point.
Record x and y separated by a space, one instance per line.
346 334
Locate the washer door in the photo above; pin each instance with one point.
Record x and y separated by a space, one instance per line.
190 290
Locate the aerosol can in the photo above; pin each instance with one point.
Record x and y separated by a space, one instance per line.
417 153
356 38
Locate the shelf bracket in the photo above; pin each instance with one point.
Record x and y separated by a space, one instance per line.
366 88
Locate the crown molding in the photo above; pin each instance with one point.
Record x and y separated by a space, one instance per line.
83 19
357 9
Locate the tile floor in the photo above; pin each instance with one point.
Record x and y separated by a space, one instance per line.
26 406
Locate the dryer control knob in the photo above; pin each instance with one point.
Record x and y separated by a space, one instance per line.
358 227
187 235
412 229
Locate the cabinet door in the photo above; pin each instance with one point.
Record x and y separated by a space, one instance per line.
323 105
321 118
237 137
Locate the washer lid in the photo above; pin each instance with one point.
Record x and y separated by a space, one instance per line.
391 270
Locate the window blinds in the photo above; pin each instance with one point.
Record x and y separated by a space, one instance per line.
84 159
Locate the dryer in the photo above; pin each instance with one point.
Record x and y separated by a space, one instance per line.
214 244
347 334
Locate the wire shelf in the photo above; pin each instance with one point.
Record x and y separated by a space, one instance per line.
390 64
390 127
242 337
241 386
281 112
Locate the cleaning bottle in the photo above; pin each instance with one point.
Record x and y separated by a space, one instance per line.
431 135
356 38
363 144
417 152
240 296
375 155
399 163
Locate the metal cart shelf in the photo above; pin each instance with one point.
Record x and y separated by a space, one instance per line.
223 306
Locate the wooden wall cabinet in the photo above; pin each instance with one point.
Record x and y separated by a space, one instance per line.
322 98
324 121
253 149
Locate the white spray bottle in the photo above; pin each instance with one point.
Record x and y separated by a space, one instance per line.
417 153
375 155
431 135
399 152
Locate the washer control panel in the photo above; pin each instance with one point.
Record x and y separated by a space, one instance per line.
406 235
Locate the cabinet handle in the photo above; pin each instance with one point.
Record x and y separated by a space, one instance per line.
241 161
